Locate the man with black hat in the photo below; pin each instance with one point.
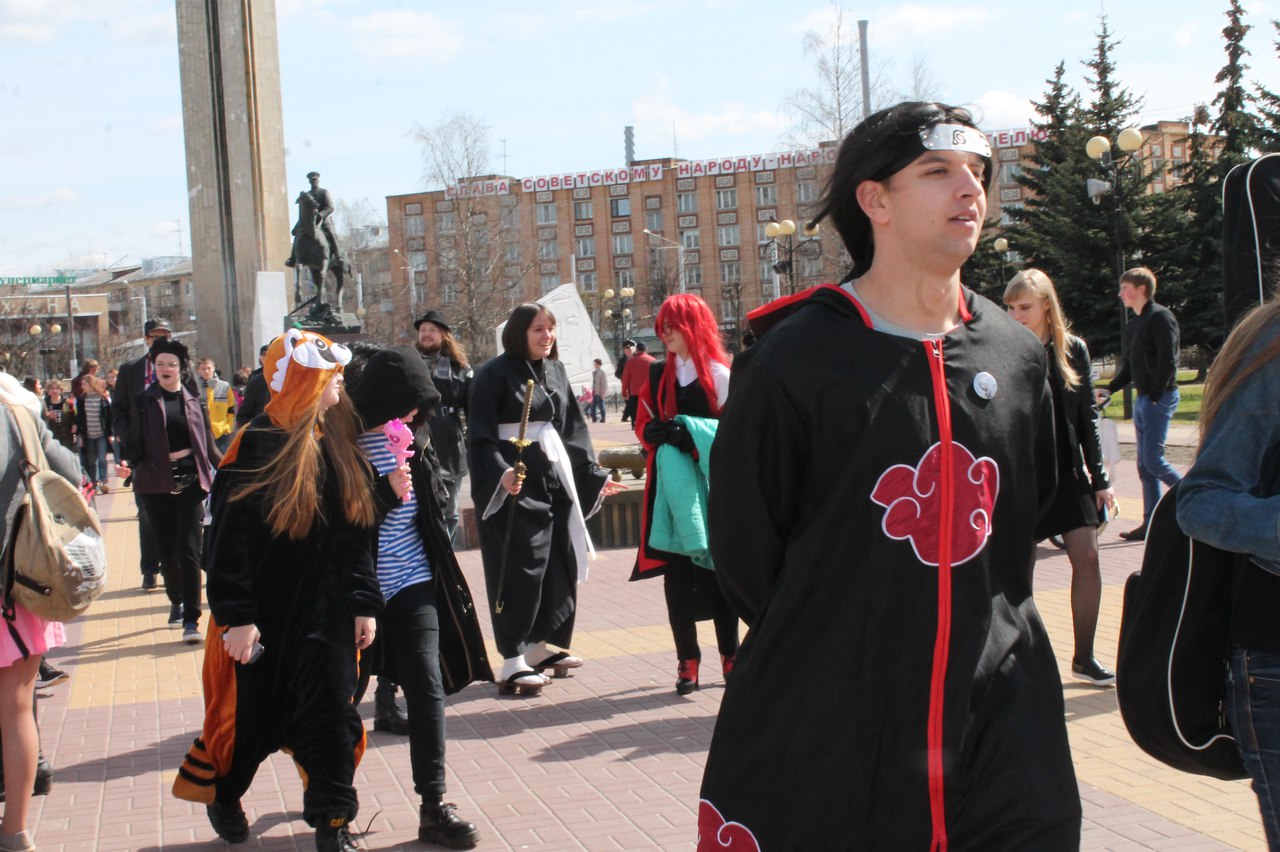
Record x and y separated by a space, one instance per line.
132 379
445 424
628 349
324 209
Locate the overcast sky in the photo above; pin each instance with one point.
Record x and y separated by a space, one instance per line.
91 155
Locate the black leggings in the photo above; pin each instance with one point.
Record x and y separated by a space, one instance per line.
176 521
693 594
410 631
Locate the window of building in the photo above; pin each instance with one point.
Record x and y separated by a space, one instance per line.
653 220
509 218
449 293
728 310
512 253
727 235
767 195
550 282
587 281
548 249
581 210
690 239
730 273
418 259
586 247
1010 172
693 276
766 270
415 226
806 191
447 223
726 199
687 202
622 244
546 214
625 278
619 207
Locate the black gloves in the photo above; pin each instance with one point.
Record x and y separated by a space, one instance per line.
669 432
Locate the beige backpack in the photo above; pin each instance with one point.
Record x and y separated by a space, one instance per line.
56 563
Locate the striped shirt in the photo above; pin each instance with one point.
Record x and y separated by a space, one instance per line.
402 560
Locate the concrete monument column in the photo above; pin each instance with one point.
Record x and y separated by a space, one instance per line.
237 190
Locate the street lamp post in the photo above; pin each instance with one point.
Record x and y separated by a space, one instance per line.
1099 148
679 254
619 314
42 346
1001 245
782 254
141 298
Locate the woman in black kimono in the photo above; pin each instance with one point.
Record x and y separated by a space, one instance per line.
534 560
692 381
1032 301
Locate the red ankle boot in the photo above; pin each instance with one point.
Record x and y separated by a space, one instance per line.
687 677
726 665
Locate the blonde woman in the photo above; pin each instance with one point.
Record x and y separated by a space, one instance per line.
1032 300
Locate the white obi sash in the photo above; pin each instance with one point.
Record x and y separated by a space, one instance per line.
545 434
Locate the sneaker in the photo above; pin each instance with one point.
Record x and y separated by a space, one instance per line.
149 581
439 823
191 634
175 615
229 822
332 835
102 488
48 675
1091 671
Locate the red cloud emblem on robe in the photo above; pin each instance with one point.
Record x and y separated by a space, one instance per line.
912 498
715 835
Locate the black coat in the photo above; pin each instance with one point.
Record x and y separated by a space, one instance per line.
130 381
1081 418
1151 344
463 658
897 683
445 422
256 396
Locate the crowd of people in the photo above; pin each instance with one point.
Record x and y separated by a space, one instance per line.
869 477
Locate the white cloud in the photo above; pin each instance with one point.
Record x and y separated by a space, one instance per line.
592 10
911 23
167 125
144 29
997 110
1186 35
60 195
655 116
406 35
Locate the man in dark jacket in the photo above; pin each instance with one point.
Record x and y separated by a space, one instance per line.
874 490
445 423
1151 365
133 378
256 394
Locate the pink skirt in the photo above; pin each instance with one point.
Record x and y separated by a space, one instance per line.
38 635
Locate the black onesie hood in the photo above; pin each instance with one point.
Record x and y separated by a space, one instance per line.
393 382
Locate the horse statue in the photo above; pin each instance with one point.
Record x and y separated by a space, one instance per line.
311 249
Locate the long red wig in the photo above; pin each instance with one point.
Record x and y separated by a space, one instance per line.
689 315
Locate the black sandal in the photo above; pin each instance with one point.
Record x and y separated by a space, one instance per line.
560 662
511 685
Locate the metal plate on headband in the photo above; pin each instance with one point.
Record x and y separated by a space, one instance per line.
955 137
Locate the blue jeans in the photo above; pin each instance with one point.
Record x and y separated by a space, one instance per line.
597 405
93 458
1151 425
1253 708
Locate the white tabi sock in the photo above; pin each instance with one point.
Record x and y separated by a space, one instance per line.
514 665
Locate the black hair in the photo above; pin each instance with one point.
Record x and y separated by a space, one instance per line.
879 147
169 346
515 336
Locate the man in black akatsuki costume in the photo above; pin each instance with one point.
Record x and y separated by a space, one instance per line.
875 484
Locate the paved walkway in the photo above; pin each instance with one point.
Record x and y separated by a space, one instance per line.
607 760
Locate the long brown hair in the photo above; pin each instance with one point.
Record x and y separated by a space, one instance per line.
1038 285
452 349
1231 367
290 482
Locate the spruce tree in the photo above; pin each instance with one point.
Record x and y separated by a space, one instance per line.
1268 103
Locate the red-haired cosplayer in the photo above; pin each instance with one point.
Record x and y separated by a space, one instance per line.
290 556
676 419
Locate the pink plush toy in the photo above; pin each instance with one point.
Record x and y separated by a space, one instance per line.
400 442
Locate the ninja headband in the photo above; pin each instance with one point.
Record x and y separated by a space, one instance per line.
936 137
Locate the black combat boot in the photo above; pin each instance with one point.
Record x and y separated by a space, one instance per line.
439 823
388 715
332 835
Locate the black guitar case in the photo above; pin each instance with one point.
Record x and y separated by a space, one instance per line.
1250 235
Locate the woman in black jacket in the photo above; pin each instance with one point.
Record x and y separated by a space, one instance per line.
1083 487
